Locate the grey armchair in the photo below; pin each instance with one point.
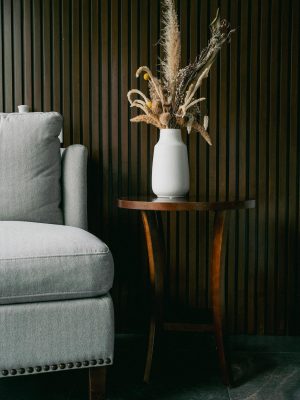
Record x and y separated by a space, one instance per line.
55 309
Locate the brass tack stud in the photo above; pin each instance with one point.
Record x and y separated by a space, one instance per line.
93 362
70 365
108 361
4 372
21 371
30 370
78 364
53 367
62 366
101 361
46 367
38 368
13 371
85 363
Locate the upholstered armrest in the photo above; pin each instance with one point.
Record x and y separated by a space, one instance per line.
74 186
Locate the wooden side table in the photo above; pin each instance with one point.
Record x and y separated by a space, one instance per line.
150 211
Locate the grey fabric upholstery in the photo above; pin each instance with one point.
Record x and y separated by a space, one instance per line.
55 309
43 334
74 186
30 167
40 262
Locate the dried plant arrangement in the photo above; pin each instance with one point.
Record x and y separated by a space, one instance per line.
172 100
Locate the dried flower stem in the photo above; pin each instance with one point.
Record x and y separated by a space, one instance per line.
152 81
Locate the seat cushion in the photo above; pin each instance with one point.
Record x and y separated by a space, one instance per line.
40 262
30 167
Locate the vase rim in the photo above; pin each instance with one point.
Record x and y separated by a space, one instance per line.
170 129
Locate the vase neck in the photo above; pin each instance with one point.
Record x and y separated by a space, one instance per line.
167 135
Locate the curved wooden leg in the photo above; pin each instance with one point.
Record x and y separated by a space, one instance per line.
150 349
218 252
97 383
155 248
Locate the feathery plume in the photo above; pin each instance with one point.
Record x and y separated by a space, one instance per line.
148 119
171 46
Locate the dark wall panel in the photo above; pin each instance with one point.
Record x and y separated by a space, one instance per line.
79 57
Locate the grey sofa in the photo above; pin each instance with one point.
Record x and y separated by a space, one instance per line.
55 309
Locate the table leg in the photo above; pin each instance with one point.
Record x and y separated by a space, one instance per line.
216 281
156 260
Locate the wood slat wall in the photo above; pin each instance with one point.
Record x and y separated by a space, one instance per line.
79 57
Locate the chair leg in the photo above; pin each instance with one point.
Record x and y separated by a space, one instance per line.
97 383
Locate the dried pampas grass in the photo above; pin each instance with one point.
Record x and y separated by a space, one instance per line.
172 101
171 47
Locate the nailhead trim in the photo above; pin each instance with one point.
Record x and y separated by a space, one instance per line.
54 367
21 371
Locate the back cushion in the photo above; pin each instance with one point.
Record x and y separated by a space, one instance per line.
30 167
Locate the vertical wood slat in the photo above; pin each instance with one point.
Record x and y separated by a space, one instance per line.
283 170
202 172
233 99
182 218
94 195
2 72
85 73
242 267
79 58
18 55
291 305
123 142
46 38
27 27
261 195
253 134
8 55
56 40
191 259
272 171
76 110
104 109
37 26
66 76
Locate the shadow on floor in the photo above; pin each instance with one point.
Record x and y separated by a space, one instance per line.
185 369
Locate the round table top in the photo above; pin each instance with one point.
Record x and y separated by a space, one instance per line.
181 204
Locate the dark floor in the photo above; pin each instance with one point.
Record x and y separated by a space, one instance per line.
266 368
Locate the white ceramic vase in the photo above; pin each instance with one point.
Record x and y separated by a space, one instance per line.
170 168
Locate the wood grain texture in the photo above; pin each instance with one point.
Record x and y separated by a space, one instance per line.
97 383
79 57
156 261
